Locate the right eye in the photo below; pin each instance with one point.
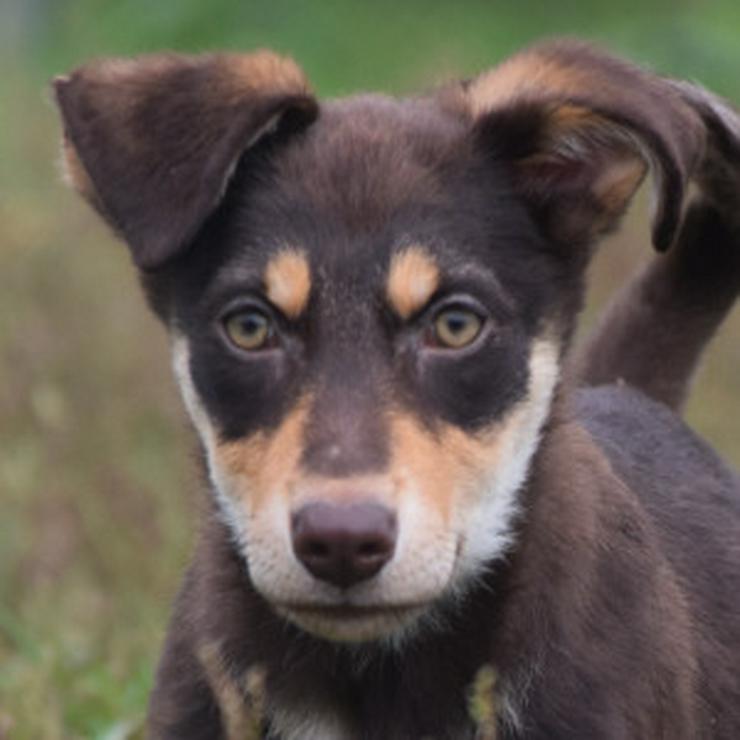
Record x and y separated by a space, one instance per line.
249 329
455 328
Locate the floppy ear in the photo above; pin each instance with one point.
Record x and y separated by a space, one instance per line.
151 142
718 175
579 130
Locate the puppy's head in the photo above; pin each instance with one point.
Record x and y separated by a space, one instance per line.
369 300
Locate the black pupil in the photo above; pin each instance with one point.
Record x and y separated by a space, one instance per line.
457 322
251 324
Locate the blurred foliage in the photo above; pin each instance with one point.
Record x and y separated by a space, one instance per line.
95 482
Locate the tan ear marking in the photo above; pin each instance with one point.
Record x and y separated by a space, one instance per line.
521 77
412 280
288 282
266 70
159 136
574 131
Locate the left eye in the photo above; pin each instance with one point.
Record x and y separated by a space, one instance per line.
455 328
250 329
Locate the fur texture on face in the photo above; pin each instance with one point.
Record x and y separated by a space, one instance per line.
355 393
356 398
369 302
455 497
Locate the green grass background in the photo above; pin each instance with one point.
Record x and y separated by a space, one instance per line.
97 485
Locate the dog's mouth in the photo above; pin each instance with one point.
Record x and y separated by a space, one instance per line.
351 623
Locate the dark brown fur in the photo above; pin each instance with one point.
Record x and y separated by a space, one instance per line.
615 616
592 625
655 330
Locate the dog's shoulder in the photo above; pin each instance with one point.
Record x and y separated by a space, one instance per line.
690 494
692 501
655 452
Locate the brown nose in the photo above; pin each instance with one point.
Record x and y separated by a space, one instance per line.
344 544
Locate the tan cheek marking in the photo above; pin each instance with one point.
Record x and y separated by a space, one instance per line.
447 464
441 463
266 463
412 280
288 282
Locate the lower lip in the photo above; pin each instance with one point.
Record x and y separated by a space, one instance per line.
349 613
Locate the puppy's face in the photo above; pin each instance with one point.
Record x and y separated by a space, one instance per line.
361 341
368 300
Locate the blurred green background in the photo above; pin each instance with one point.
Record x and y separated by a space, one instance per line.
97 486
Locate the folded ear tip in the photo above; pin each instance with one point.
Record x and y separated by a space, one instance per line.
664 232
660 247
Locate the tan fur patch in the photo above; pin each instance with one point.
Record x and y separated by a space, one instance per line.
412 280
448 464
267 462
117 85
617 184
241 702
442 462
524 76
260 71
288 282
265 70
575 131
75 174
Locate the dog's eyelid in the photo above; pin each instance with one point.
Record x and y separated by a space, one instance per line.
245 298
492 305
483 284
242 301
223 295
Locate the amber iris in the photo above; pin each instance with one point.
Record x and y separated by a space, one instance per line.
455 328
249 329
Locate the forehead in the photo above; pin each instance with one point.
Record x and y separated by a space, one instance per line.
372 177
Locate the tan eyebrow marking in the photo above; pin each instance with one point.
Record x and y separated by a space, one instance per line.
288 282
412 280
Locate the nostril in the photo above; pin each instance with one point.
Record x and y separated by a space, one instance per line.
343 544
372 552
371 549
316 550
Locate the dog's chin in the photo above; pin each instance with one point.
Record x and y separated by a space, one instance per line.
353 624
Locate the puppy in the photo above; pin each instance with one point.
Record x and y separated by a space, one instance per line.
426 519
